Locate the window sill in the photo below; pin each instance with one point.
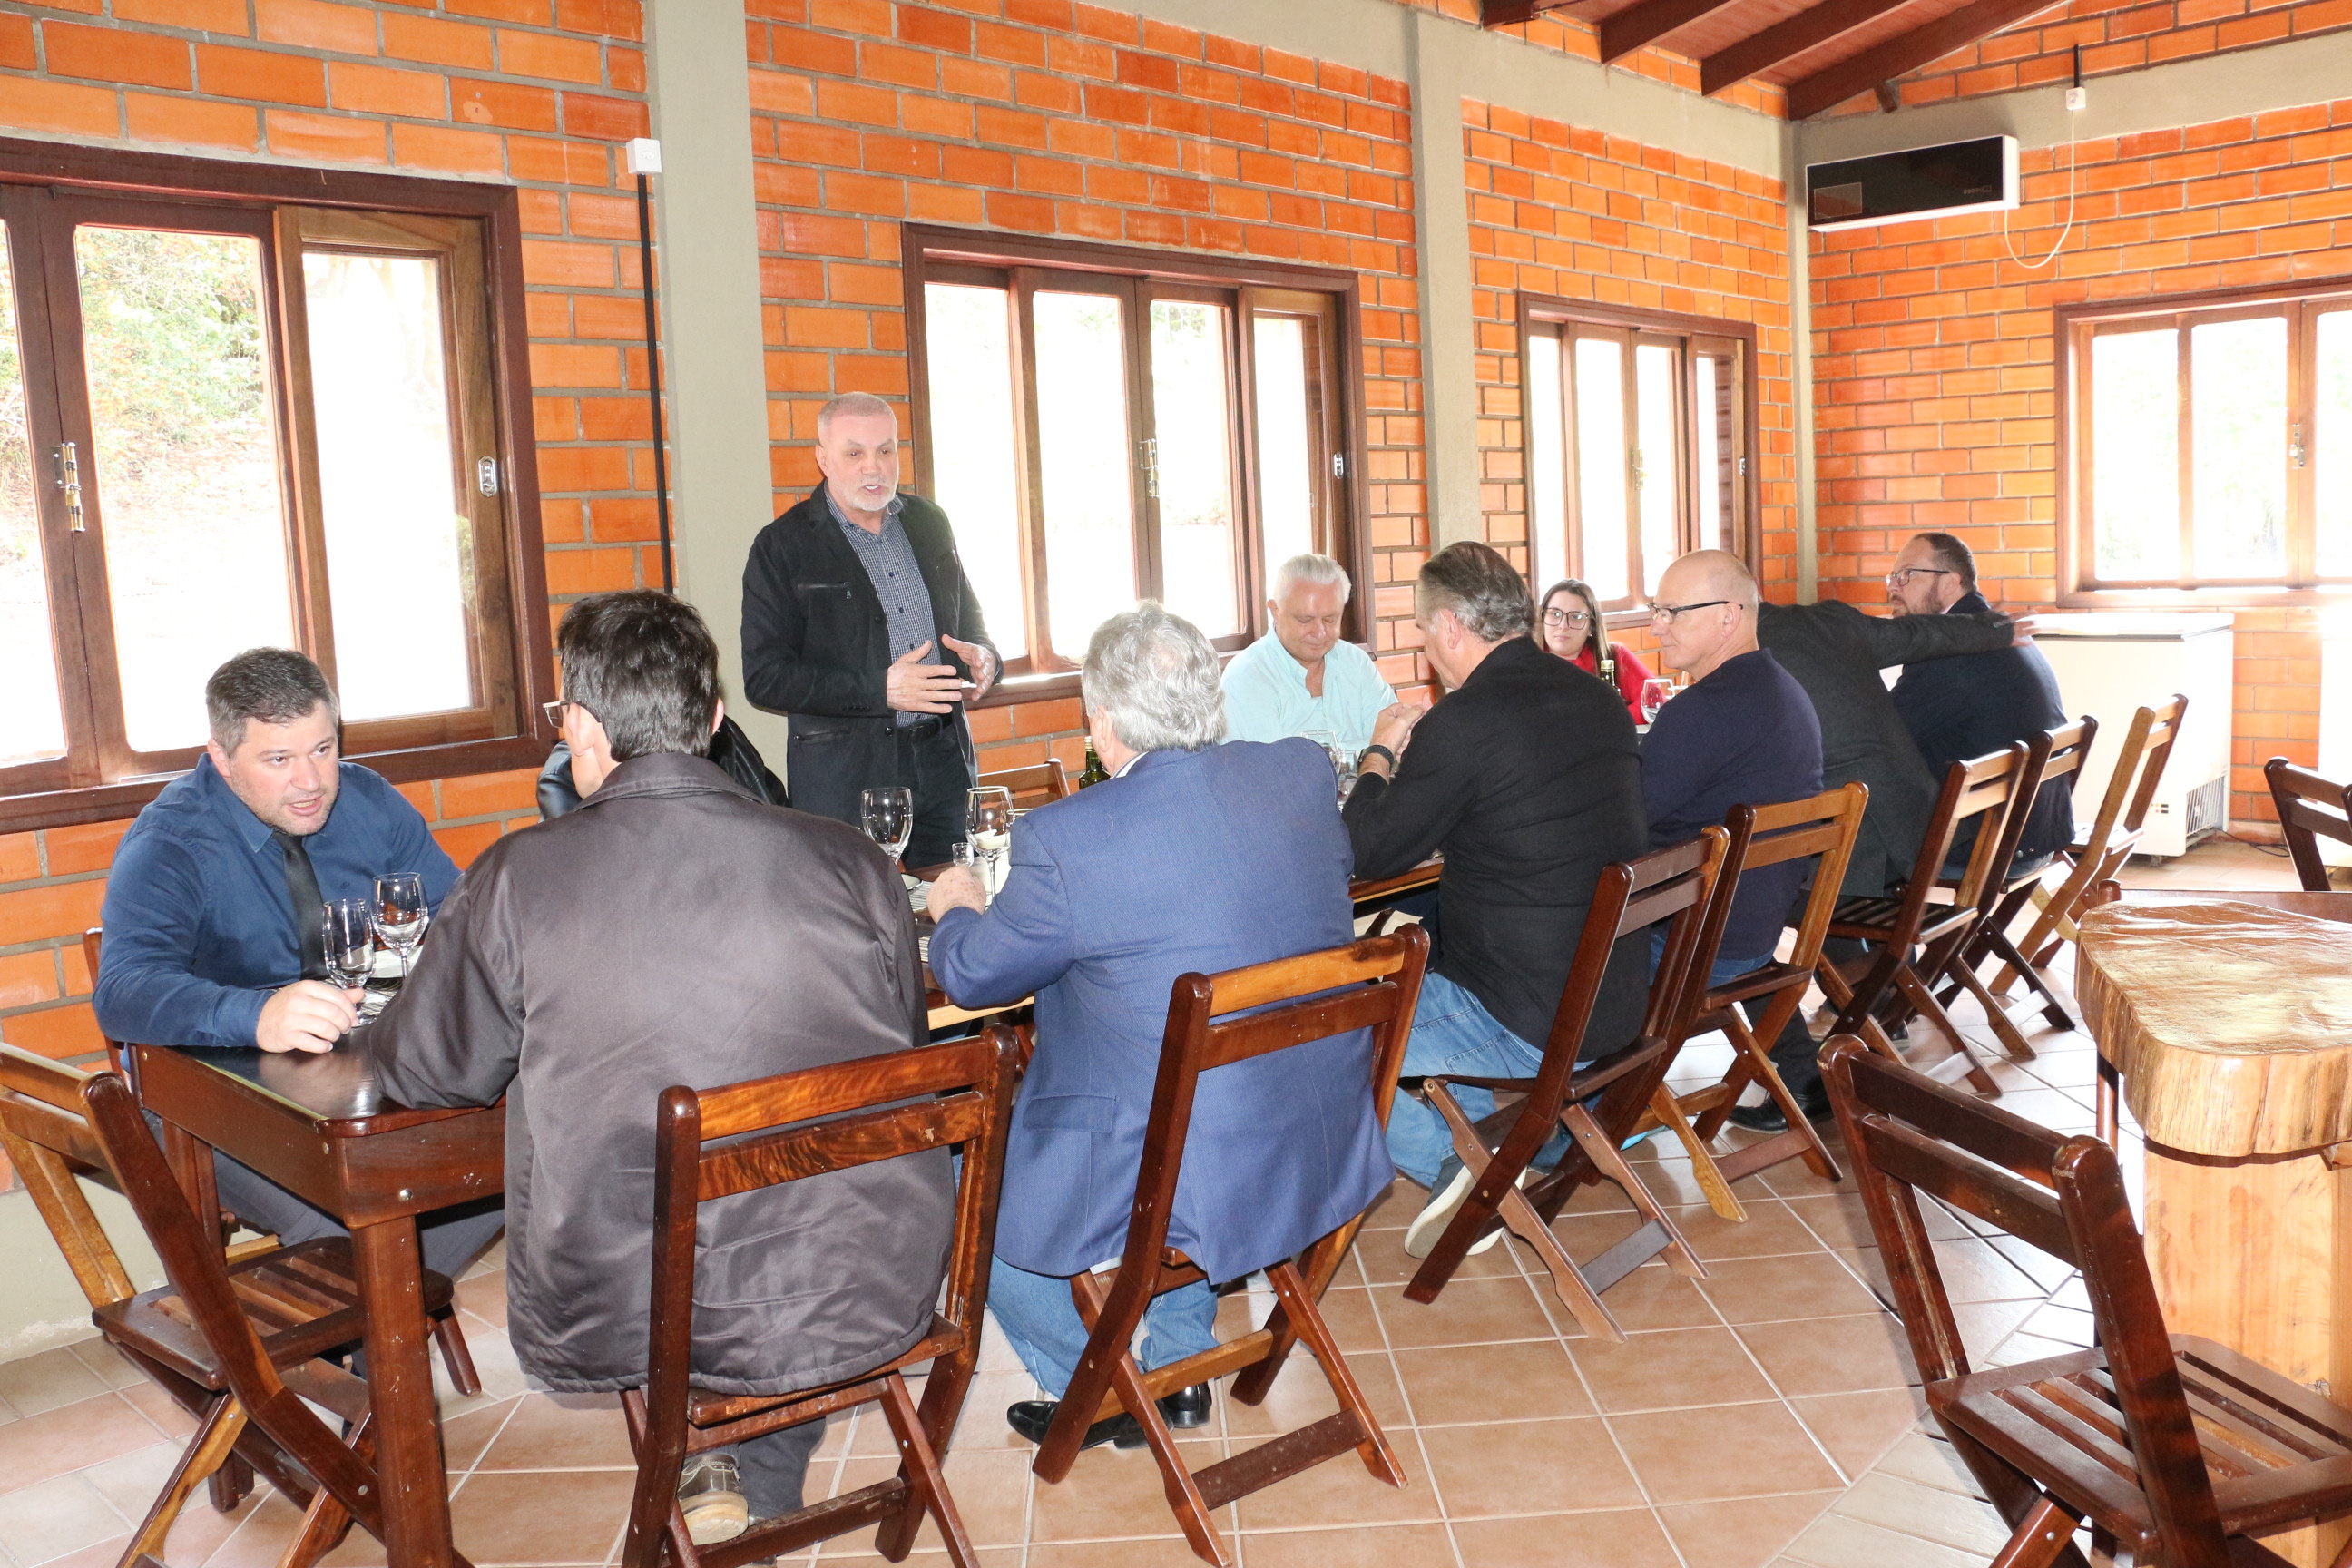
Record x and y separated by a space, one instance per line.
2238 596
114 802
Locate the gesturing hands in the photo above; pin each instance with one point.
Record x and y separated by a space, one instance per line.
977 659
308 1015
916 688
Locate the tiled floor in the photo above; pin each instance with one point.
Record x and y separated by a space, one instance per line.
1759 1415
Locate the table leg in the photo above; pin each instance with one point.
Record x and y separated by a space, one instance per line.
400 1391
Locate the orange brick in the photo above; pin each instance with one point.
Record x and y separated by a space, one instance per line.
455 152
88 848
606 119
589 571
380 90
462 844
77 968
116 54
460 44
27 104
16 50
192 122
57 1033
541 54
259 74
486 793
52 909
608 18
27 978
20 860
199 16
316 24
294 134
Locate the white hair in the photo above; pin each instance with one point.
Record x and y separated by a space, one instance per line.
1310 568
857 405
1153 678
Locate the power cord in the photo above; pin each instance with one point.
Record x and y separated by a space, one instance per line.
2074 102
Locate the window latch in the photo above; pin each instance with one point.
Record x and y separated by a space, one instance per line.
486 476
1151 445
2294 444
68 469
1338 464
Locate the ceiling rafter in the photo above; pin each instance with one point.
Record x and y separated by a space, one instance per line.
1785 40
1511 13
1905 52
1646 21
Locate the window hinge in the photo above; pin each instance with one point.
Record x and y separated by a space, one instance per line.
1338 464
2294 444
1151 445
486 476
69 467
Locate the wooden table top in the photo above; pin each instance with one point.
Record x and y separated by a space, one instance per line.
2229 1016
335 1090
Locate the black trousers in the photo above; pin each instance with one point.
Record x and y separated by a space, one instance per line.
932 768
774 1468
449 1239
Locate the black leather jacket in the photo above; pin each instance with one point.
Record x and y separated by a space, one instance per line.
729 748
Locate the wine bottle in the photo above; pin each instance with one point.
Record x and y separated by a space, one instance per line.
1096 773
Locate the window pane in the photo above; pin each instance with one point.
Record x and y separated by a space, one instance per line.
186 466
1083 449
32 720
2134 455
1653 377
1601 465
968 337
1717 466
2238 412
1547 465
2331 443
397 544
1192 424
1286 441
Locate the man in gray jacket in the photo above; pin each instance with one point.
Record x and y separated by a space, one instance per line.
675 930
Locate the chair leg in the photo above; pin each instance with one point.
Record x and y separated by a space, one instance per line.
455 1355
655 1517
1668 1112
2109 1089
326 1521
944 1392
1184 1498
2048 1530
206 1452
1915 991
927 1489
230 1484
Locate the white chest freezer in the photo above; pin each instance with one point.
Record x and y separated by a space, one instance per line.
2109 663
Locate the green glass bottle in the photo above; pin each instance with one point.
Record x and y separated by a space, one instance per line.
1096 773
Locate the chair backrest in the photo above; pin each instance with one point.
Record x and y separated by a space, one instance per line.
2065 748
2061 1193
1973 787
45 1136
2163 730
1240 1015
716 1142
1040 783
2309 808
1822 828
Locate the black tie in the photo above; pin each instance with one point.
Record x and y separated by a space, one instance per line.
310 910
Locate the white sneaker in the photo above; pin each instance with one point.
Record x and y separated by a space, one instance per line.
711 1496
1445 1200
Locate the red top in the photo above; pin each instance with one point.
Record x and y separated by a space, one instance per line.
1632 673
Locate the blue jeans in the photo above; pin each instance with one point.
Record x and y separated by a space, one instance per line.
1036 1314
1452 1035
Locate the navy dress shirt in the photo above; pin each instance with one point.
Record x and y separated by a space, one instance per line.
199 926
1963 707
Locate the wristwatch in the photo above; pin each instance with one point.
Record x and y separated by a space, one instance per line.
1378 749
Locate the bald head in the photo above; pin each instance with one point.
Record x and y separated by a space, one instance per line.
1712 597
1708 574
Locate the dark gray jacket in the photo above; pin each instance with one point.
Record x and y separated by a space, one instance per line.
674 930
1836 652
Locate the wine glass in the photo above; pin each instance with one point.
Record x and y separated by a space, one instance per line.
988 812
1654 694
400 913
348 925
888 817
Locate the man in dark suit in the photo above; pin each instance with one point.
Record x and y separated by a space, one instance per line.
673 929
859 622
1527 775
1193 857
1979 702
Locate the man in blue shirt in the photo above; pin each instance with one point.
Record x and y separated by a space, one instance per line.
214 906
1305 676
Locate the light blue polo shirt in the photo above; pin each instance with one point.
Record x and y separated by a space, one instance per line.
1267 697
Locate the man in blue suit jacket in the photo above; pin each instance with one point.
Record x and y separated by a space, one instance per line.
1194 857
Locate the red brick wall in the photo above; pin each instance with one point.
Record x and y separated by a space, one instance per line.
535 92
1934 400
1043 116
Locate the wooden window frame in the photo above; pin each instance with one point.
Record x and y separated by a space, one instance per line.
511 640
2073 327
931 254
1540 313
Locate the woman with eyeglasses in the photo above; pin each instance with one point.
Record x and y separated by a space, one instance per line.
1573 629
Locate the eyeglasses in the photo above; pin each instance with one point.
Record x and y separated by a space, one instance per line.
1668 613
1566 617
1897 579
554 711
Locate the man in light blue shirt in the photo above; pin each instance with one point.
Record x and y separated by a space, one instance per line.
1305 676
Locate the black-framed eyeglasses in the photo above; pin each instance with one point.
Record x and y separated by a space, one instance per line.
1670 612
1898 579
1554 618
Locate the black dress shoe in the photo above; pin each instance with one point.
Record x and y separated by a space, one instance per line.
1186 1407
1766 1117
1032 1418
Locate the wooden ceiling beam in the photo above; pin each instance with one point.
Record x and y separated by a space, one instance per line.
1646 21
1833 85
1511 13
1785 40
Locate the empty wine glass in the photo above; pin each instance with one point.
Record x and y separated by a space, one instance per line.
1654 694
400 913
888 817
349 925
988 812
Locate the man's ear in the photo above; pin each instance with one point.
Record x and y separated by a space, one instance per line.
718 714
219 757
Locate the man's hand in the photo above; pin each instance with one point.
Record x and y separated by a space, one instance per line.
916 688
958 888
308 1015
1392 728
2021 630
984 666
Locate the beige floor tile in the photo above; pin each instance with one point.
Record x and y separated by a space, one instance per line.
1766 1289
1726 1451
1838 1218
1746 1533
1108 1495
1628 1538
1301 1395
1491 1383
465 1436
1770 1229
1671 1370
1168 1551
1974 1271
1390 1546
1929 1461
1379 1256
1945 1518
1859 1429
990 1489
563 1432
72 1437
485 1296
982 1424
98 1554
1985 1324
53 1517
1830 1541
1832 1355
559 1516
1342 1490
1467 1312
37 1382
1528 1467
1396 1208
1351 1317
131 1481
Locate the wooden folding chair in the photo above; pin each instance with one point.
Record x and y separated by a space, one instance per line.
2055 754
1040 783
1598 1103
236 1346
1371 983
1896 925
2171 1444
718 1143
1823 828
2309 808
2100 852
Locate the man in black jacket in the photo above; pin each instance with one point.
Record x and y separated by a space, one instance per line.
1527 775
859 622
673 929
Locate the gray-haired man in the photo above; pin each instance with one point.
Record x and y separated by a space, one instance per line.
1305 676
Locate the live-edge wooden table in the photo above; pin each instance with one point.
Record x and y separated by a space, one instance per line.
317 1125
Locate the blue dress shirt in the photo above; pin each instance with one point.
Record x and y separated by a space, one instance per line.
199 926
1267 697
